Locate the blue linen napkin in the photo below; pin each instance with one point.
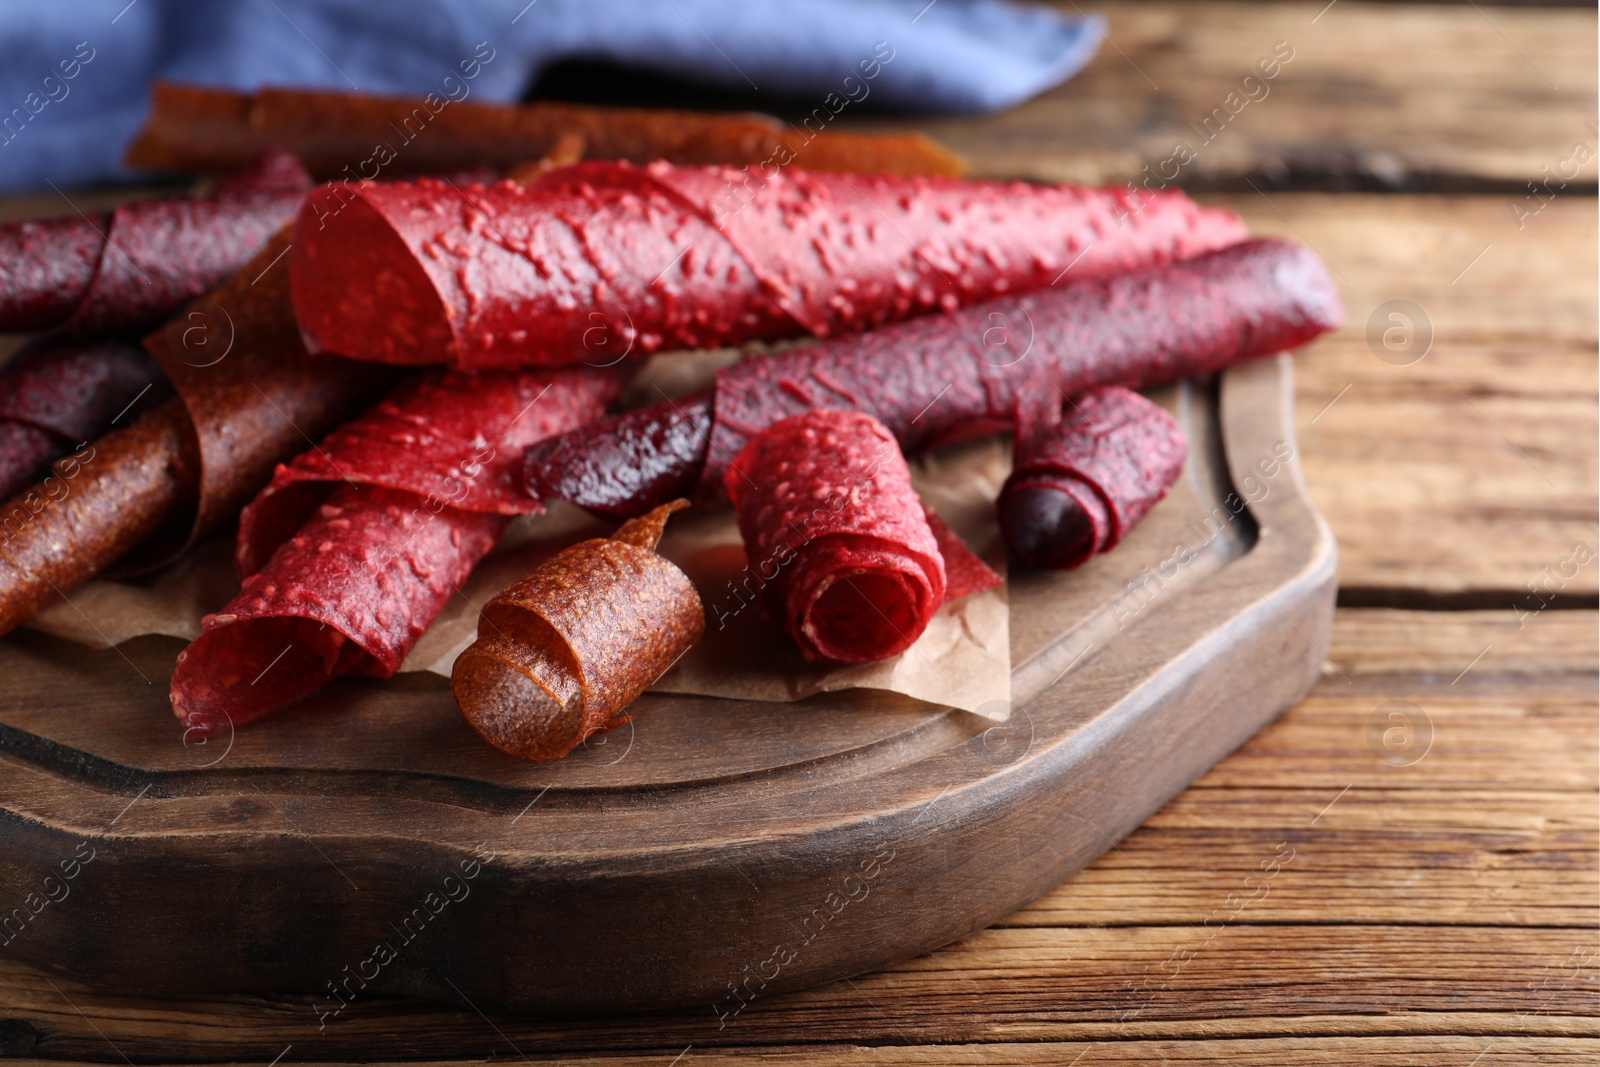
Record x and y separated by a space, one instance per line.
74 78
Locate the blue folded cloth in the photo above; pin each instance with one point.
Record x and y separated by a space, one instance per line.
74 78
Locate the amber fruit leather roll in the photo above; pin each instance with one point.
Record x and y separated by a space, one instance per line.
338 135
825 499
96 505
601 261
1078 490
562 653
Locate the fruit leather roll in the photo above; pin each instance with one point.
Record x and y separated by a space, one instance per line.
95 506
562 653
337 134
598 261
249 397
825 502
128 270
1077 490
941 377
56 396
354 547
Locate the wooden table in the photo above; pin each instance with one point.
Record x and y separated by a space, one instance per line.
1433 894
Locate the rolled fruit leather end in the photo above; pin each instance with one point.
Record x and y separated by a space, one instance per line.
838 618
625 465
369 263
522 700
1078 491
1053 526
552 667
865 579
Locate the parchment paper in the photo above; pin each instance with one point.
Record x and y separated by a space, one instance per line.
962 660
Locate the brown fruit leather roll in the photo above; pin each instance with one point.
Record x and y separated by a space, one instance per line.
199 128
95 507
1077 490
825 499
249 397
562 653
255 397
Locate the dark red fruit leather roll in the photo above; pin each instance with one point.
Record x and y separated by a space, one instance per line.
601 260
825 499
1079 489
353 549
58 395
130 269
941 377
26 453
46 266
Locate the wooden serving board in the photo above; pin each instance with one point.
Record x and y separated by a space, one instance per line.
708 853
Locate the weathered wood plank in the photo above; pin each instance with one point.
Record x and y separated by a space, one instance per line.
1378 919
1326 744
1470 471
1001 985
1399 857
1462 259
1389 1051
1386 95
1384 641
1453 489
1494 823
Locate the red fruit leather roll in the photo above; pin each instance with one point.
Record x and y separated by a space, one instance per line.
248 397
601 260
562 653
1079 489
59 395
941 377
352 550
825 499
127 271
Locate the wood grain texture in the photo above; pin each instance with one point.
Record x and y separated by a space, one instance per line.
1428 912
1442 912
1459 478
1381 641
1388 96
1248 1052
782 854
1463 259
